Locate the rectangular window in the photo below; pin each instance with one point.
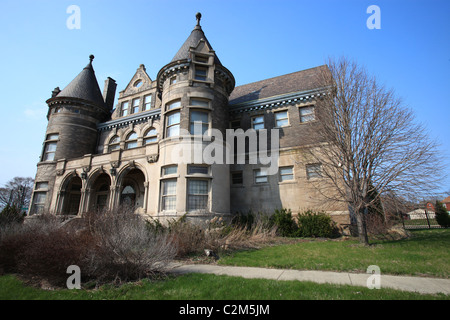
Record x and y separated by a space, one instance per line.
136 105
236 177
201 59
286 173
168 197
173 80
307 114
173 124
199 121
260 176
169 170
235 124
201 73
281 119
41 186
147 102
38 202
197 195
198 169
258 122
199 102
314 170
124 109
50 147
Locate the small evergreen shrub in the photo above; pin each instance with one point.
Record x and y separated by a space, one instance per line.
311 224
285 223
442 216
10 215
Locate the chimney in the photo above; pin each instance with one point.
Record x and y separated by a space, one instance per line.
109 92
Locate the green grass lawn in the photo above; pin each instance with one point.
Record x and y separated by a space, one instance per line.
209 287
426 253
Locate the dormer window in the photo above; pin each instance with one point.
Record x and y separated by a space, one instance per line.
201 73
124 109
136 105
201 59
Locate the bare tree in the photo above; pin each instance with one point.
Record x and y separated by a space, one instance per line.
372 143
16 191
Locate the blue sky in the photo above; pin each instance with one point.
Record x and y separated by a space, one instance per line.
254 39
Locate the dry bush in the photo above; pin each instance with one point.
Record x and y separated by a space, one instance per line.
112 246
126 248
217 235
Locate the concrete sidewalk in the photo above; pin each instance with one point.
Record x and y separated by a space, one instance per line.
405 283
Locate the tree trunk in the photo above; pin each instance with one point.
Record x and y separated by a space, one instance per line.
362 230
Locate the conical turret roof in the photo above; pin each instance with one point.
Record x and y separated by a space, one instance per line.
84 86
192 41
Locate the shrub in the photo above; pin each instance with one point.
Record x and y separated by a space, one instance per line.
442 215
286 225
126 249
10 215
311 224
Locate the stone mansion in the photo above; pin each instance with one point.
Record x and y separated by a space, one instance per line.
99 155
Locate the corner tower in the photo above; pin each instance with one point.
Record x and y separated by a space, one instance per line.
194 89
73 115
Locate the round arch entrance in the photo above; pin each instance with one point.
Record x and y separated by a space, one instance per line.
100 192
132 189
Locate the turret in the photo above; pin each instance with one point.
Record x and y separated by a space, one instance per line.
73 116
194 88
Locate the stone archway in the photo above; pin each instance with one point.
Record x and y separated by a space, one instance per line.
133 191
72 196
100 192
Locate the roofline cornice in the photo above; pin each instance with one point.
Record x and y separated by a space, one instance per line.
126 121
284 99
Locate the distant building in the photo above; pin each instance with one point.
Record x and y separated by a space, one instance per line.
96 156
446 202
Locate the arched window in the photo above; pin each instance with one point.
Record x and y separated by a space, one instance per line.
114 143
150 136
131 141
128 196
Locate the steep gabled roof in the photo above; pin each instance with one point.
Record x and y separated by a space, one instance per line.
84 86
292 82
192 41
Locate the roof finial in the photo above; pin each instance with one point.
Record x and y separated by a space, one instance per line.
198 16
91 57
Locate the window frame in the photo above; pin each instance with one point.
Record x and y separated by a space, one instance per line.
312 173
147 104
148 139
190 196
241 178
124 111
133 142
253 123
134 107
282 119
175 124
282 175
204 124
257 173
304 116
165 196
50 140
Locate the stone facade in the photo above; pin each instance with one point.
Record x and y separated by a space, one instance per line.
97 157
